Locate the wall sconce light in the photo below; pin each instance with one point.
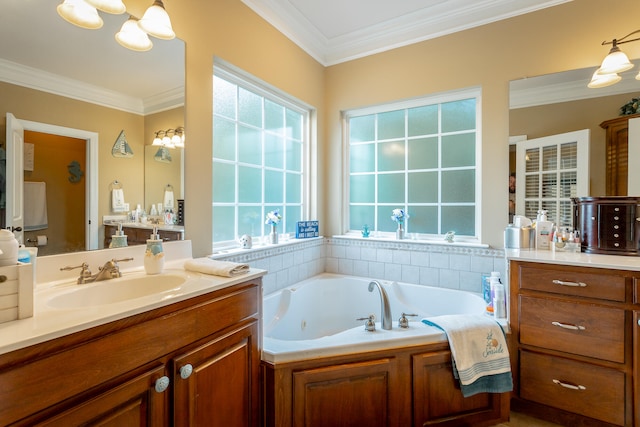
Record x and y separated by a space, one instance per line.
615 62
133 34
170 138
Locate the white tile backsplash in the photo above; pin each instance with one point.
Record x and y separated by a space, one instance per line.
455 267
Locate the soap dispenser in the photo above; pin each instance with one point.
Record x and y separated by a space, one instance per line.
154 255
118 240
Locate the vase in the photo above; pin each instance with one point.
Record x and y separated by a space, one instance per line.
400 231
273 236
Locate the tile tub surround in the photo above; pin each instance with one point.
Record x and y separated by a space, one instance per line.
452 266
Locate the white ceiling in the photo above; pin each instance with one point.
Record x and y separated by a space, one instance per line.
335 31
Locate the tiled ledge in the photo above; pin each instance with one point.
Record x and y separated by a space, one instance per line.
419 245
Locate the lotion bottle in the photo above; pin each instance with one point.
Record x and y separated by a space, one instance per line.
544 228
154 254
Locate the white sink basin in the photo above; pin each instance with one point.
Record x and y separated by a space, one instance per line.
116 290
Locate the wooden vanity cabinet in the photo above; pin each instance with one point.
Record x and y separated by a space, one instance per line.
412 386
573 354
195 362
139 236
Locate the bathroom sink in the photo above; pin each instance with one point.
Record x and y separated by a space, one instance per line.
116 290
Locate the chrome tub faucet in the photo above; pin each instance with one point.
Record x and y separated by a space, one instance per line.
384 302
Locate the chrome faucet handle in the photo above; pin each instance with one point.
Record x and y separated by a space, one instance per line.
84 274
114 267
370 322
403 322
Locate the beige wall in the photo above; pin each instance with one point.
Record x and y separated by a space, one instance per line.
231 31
556 39
563 37
33 105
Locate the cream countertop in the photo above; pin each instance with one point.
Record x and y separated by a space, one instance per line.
617 262
50 323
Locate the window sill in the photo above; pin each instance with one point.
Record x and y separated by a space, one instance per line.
225 252
383 239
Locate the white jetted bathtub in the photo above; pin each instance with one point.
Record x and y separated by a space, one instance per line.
317 317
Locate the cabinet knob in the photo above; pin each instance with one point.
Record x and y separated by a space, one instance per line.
186 371
162 384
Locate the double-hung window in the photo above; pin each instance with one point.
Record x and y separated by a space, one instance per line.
420 155
260 145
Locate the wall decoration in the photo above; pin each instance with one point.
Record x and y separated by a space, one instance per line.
29 154
121 147
75 172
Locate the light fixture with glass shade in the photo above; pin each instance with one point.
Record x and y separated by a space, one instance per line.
132 37
156 22
134 33
80 13
614 63
110 6
170 138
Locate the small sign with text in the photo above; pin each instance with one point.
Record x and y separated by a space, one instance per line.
307 229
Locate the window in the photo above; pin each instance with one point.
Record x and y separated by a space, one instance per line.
550 171
260 143
418 155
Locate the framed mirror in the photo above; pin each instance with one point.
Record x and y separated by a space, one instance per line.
57 74
558 103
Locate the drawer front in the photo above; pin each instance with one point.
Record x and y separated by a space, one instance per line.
602 284
583 329
577 387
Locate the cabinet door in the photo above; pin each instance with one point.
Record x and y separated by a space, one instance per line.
438 399
217 383
133 403
351 394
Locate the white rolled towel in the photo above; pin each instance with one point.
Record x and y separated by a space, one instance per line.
216 267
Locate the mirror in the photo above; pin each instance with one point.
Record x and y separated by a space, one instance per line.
56 73
562 102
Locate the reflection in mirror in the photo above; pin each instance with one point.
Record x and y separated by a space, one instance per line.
558 103
55 73
164 167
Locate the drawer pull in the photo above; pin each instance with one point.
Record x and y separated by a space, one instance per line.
572 284
569 385
569 326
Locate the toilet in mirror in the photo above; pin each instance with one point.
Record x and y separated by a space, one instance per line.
71 96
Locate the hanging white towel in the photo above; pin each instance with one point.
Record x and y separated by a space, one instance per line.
168 199
117 200
35 206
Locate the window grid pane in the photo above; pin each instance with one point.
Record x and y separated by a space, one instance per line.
258 151
424 155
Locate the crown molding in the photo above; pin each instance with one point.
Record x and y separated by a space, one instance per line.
442 18
33 78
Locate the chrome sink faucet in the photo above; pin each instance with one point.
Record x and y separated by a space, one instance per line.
384 302
110 270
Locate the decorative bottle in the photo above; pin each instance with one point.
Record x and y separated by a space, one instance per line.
154 254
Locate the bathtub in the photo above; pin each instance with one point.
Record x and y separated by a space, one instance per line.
317 317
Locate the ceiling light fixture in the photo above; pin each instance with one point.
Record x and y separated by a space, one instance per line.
615 62
156 22
134 33
132 37
110 6
80 13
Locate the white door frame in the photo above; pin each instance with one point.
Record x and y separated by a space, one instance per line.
91 174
